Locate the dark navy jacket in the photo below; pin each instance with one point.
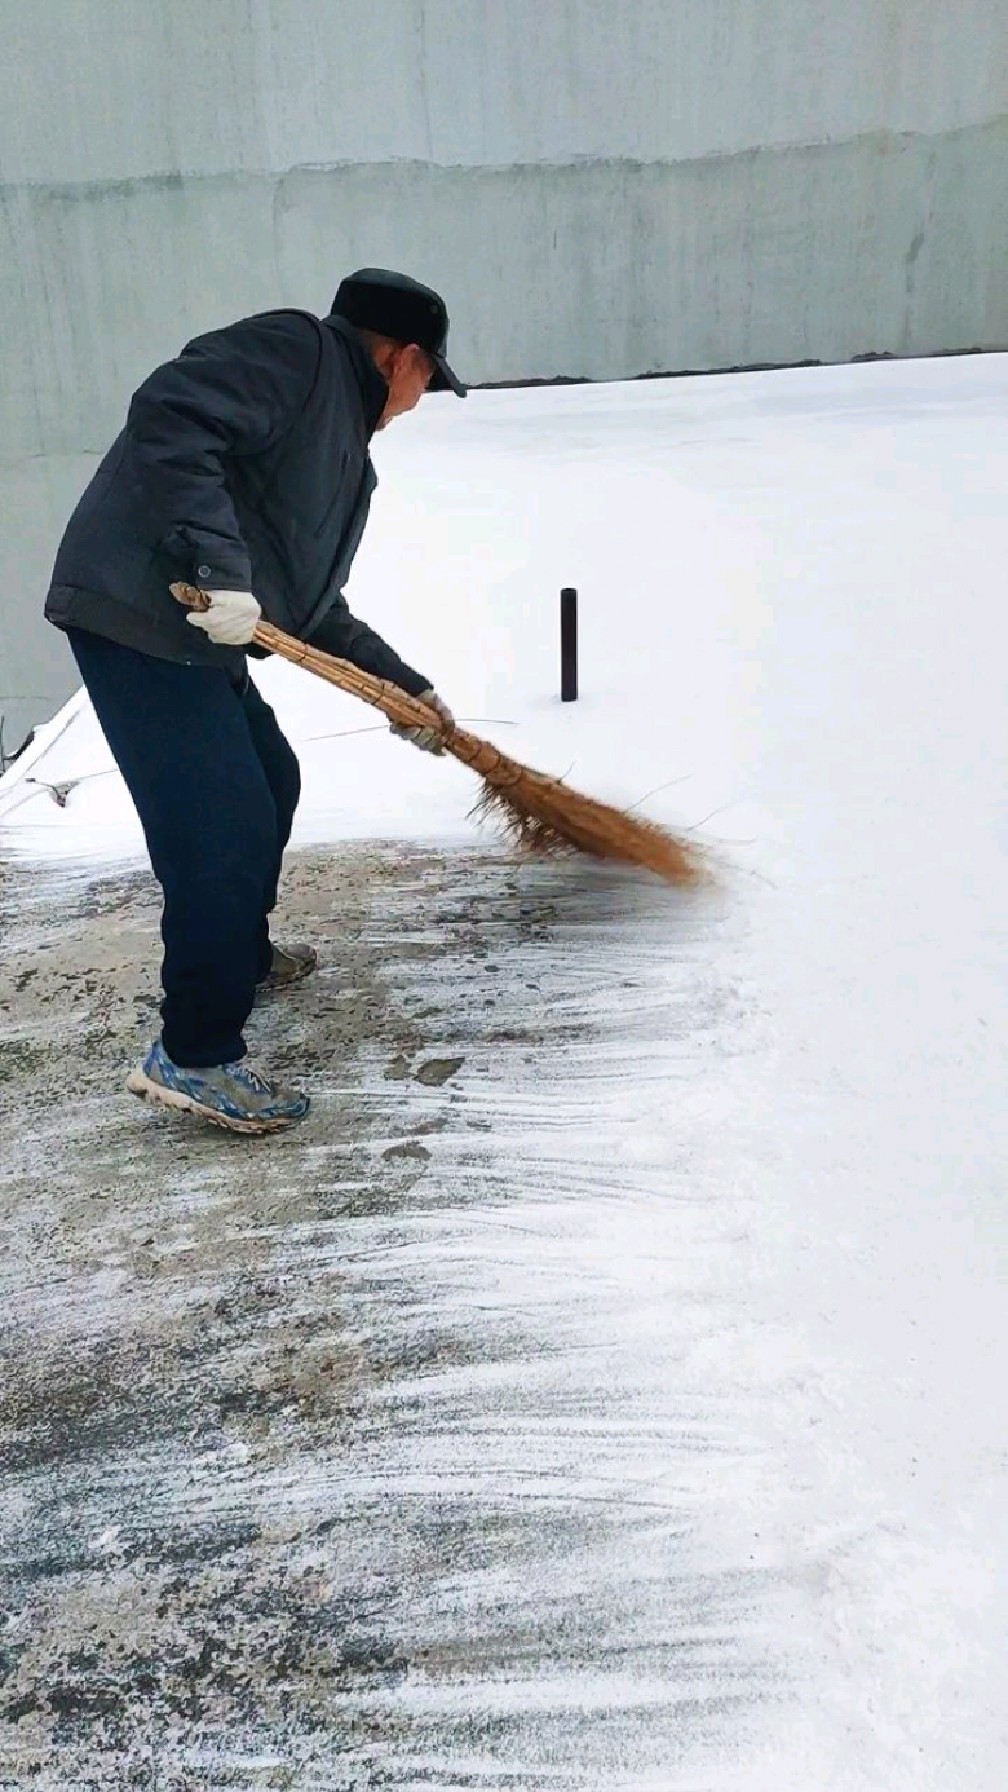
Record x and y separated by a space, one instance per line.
244 466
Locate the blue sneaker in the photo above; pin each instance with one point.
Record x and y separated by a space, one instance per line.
231 1095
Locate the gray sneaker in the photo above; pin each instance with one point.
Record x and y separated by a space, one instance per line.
231 1095
291 964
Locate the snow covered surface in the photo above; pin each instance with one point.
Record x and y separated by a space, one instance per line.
764 1206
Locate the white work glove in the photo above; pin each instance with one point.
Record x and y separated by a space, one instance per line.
428 739
230 620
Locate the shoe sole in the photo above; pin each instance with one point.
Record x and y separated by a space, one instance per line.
141 1085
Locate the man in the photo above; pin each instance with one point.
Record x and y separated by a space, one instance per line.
244 467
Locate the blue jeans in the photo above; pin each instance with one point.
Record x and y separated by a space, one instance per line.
215 785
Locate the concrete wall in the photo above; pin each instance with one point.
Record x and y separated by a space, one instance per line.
601 189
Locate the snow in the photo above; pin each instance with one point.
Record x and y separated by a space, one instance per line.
790 1218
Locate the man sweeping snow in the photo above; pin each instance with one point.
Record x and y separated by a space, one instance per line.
244 467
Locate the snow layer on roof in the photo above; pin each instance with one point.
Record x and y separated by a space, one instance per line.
761 559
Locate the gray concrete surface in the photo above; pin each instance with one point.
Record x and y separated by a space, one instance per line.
336 1459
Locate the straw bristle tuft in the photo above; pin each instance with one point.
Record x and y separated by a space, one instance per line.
542 815
527 831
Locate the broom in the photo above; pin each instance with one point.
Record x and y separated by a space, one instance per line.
540 813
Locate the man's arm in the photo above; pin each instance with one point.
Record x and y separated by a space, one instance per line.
344 635
230 392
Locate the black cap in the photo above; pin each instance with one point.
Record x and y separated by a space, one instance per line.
394 305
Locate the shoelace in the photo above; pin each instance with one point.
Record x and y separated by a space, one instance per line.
251 1078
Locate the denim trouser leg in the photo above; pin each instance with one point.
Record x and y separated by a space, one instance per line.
283 775
215 784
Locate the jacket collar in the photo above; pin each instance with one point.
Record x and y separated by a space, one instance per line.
373 388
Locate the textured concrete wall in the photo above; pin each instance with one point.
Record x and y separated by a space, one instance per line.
601 189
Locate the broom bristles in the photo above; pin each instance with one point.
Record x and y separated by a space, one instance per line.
542 814
542 822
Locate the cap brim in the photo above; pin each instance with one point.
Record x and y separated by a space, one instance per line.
444 380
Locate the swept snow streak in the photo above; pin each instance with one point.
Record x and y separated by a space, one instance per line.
545 1441
483 1432
558 1421
461 1422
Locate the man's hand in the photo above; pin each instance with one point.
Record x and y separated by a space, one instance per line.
428 739
230 620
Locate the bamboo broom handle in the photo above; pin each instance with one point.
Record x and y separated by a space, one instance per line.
395 703
529 799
